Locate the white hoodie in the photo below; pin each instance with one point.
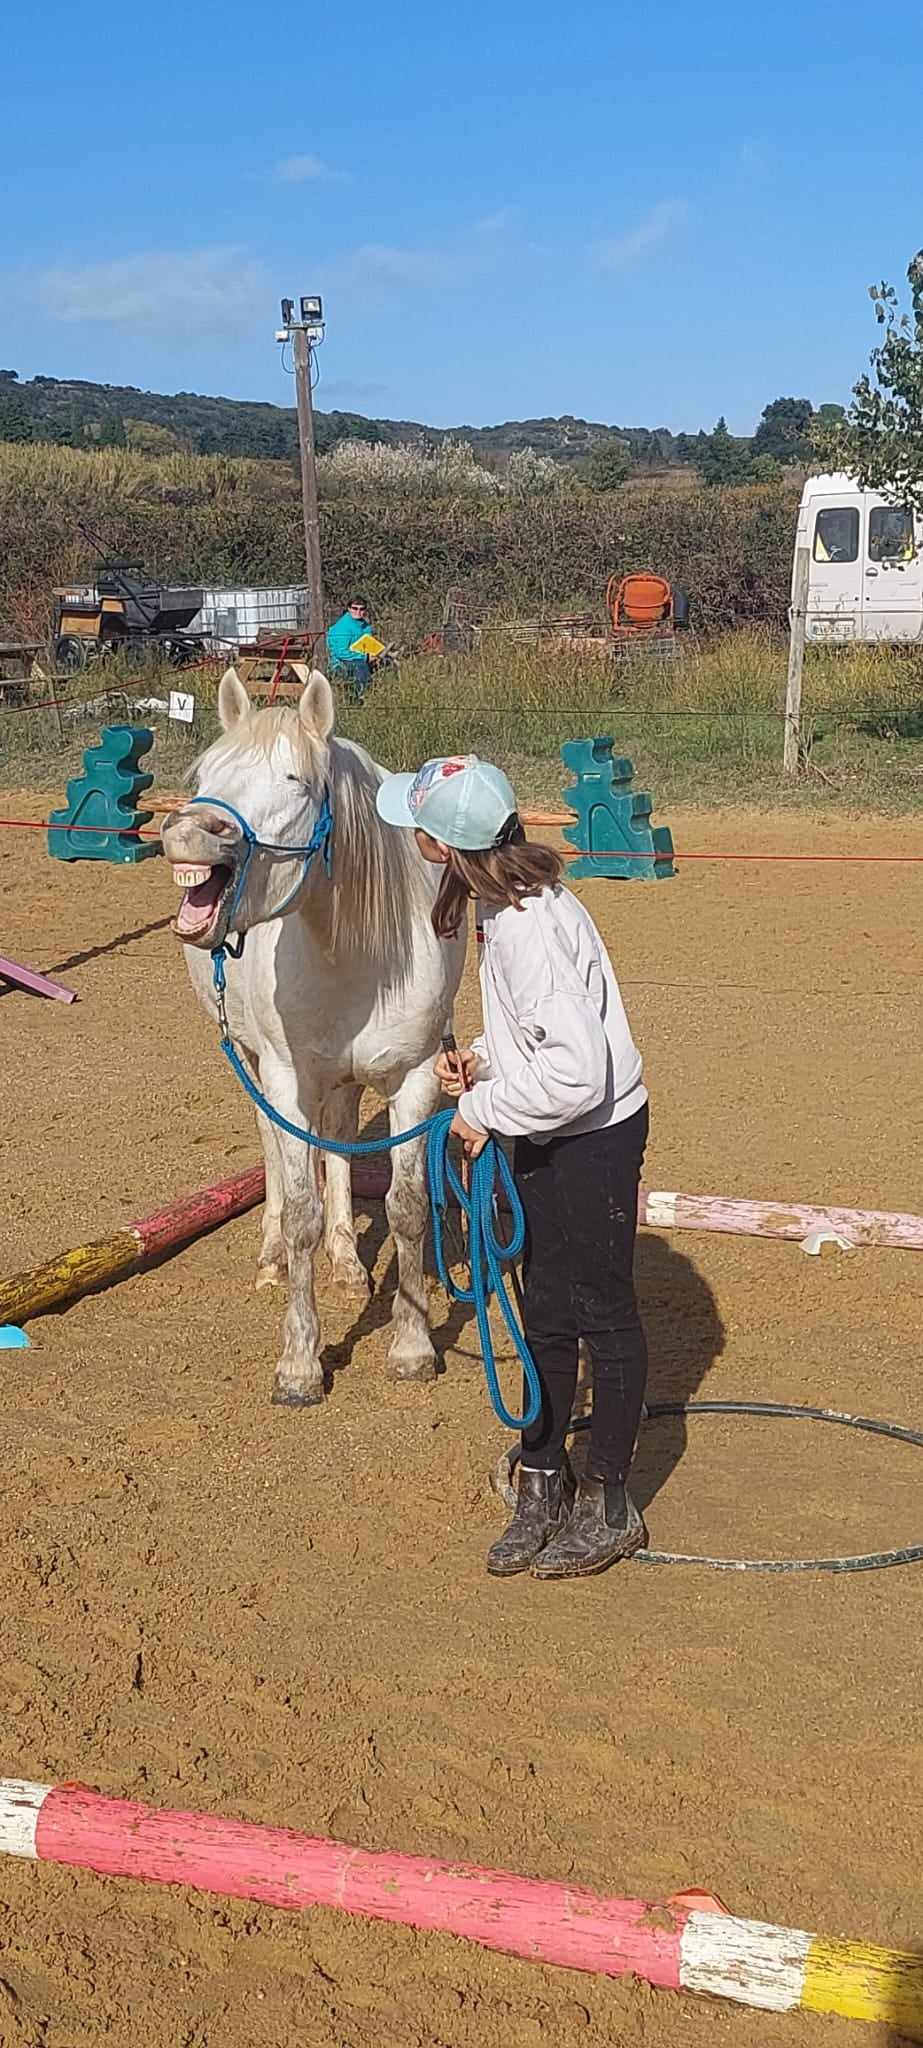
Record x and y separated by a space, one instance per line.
557 1054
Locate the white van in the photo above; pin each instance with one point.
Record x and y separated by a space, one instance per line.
865 580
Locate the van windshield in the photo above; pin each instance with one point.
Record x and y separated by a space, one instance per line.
836 534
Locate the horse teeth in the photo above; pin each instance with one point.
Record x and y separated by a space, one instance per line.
190 878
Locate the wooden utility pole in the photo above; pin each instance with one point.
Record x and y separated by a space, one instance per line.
301 354
792 747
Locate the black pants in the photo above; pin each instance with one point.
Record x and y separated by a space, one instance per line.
580 1195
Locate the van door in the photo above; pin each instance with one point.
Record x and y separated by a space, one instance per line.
834 585
892 588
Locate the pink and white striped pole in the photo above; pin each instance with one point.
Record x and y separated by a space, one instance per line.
688 1943
522 1916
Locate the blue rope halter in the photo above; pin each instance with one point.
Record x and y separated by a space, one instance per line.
490 1172
321 841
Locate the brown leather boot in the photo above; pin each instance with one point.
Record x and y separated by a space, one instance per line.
603 1526
543 1504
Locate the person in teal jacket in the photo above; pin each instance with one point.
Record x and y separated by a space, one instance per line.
354 669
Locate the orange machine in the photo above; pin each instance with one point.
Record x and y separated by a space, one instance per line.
645 612
641 603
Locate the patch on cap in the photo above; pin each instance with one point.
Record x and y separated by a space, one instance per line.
431 773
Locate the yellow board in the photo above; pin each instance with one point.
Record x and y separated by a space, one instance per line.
862 1983
368 645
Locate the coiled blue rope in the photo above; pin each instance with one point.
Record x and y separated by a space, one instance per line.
487 1253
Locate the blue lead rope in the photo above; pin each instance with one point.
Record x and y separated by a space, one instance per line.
487 1253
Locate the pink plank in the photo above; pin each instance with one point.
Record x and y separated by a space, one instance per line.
792 1220
37 984
544 1922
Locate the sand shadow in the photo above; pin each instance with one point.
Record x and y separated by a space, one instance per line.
114 945
901 1997
685 1336
684 1329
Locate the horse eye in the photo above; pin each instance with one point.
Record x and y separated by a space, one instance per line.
295 778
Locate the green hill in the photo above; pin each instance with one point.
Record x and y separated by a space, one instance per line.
74 414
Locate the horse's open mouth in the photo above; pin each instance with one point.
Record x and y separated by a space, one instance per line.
204 889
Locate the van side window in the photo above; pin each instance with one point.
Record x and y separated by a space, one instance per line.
891 534
836 534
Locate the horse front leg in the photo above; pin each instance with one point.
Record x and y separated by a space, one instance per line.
299 1380
411 1356
270 1266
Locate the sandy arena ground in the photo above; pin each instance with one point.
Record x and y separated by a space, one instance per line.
207 1601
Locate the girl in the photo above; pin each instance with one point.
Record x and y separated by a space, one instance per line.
557 1071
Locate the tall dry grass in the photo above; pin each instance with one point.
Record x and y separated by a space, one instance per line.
705 727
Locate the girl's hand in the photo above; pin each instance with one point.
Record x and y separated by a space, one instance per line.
473 1141
455 1071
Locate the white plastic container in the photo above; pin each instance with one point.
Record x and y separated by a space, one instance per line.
234 618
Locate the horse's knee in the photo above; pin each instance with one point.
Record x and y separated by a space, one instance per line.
302 1223
406 1205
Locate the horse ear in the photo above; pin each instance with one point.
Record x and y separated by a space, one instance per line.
315 708
233 702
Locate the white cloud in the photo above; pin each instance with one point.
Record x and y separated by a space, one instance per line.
298 170
617 252
383 263
178 291
468 254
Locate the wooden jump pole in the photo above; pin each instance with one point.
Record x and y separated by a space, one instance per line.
99 1264
792 1220
675 1945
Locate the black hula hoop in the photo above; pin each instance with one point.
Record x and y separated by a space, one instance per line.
872 1561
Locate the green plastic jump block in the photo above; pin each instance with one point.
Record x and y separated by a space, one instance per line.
612 830
101 811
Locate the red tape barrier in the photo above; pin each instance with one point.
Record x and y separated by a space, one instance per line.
134 832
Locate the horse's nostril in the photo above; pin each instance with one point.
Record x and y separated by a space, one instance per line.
211 822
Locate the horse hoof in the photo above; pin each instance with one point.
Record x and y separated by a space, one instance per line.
292 1397
420 1371
268 1276
354 1285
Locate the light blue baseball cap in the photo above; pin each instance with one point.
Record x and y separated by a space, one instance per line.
462 801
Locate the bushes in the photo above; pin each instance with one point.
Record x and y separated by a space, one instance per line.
364 469
212 520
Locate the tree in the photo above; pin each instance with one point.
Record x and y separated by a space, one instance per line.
112 431
145 438
15 424
784 430
607 465
723 459
688 447
880 440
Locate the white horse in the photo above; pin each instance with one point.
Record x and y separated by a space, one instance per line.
342 985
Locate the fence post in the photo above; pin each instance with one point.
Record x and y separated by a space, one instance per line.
796 663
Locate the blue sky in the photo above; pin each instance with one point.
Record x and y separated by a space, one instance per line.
643 215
